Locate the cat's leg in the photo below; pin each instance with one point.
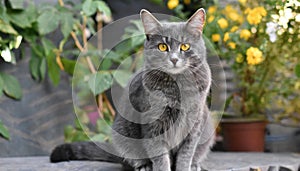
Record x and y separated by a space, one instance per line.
161 163
185 154
201 153
140 164
144 168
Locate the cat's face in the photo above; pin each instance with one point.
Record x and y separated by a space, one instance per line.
174 47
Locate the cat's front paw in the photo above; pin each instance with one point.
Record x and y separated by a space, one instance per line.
196 167
144 168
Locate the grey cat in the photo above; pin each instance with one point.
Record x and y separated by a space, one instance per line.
164 123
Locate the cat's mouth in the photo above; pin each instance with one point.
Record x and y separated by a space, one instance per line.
176 69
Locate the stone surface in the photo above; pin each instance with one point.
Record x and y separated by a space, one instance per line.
214 162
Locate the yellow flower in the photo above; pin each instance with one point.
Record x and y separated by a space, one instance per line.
239 58
226 37
231 13
187 2
261 10
234 16
247 10
234 28
223 23
228 9
232 45
255 15
210 19
253 18
212 9
173 4
297 85
245 34
241 19
215 37
243 2
254 56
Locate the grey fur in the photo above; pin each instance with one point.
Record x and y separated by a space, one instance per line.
164 118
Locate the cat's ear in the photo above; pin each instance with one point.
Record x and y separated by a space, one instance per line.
150 23
196 22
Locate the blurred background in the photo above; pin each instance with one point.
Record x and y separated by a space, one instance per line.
257 43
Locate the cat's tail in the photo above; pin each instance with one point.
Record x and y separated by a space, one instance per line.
85 151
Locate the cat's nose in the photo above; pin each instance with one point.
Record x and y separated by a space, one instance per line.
174 60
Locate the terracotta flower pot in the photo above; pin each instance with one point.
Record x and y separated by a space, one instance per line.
244 135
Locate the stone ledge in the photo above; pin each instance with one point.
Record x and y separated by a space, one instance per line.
215 162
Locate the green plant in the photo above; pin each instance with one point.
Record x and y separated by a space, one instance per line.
32 24
255 45
128 58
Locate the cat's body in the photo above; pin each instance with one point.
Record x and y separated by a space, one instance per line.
165 123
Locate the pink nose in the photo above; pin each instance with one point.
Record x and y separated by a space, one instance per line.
174 60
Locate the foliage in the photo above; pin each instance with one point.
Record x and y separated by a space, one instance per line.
26 22
260 42
126 55
3 131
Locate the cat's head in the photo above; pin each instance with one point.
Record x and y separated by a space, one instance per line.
174 47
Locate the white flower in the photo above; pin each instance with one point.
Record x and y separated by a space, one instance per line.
7 56
18 41
271 30
87 32
297 18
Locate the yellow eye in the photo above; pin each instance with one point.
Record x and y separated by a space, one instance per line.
162 47
185 47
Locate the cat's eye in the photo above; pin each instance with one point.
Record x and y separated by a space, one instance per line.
162 47
185 47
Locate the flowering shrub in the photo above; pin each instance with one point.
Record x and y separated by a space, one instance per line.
260 41
252 36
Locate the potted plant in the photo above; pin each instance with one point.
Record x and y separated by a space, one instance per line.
249 37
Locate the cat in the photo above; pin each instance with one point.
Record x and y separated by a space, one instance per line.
165 123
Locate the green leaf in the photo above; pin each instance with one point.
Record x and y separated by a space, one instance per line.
109 54
297 70
19 18
69 65
67 22
99 138
3 131
53 69
48 21
43 67
1 84
34 64
105 64
3 14
122 77
80 136
17 4
103 127
137 41
89 8
48 46
68 133
7 28
100 82
102 6
31 12
11 86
